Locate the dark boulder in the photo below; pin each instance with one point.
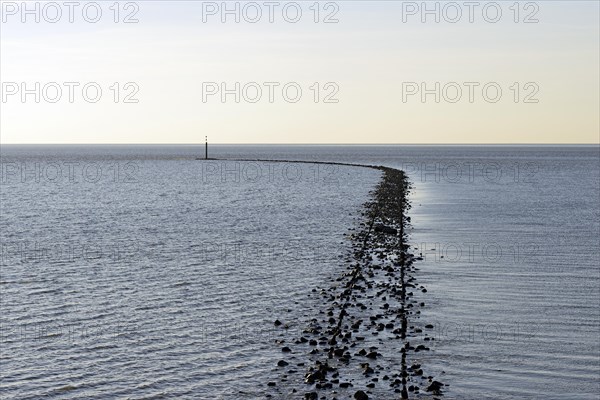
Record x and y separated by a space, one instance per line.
360 395
385 229
435 387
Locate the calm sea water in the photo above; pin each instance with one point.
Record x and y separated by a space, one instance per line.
139 272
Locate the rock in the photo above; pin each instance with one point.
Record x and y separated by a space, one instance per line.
372 355
277 322
312 377
429 326
435 387
385 229
360 395
311 396
286 349
282 363
271 384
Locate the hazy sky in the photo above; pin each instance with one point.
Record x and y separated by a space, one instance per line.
375 61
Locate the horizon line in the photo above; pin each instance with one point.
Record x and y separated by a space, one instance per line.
301 144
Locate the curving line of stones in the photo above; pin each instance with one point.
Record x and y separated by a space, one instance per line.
381 253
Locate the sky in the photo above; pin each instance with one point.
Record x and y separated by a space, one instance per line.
337 72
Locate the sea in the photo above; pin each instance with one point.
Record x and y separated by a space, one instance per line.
147 272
